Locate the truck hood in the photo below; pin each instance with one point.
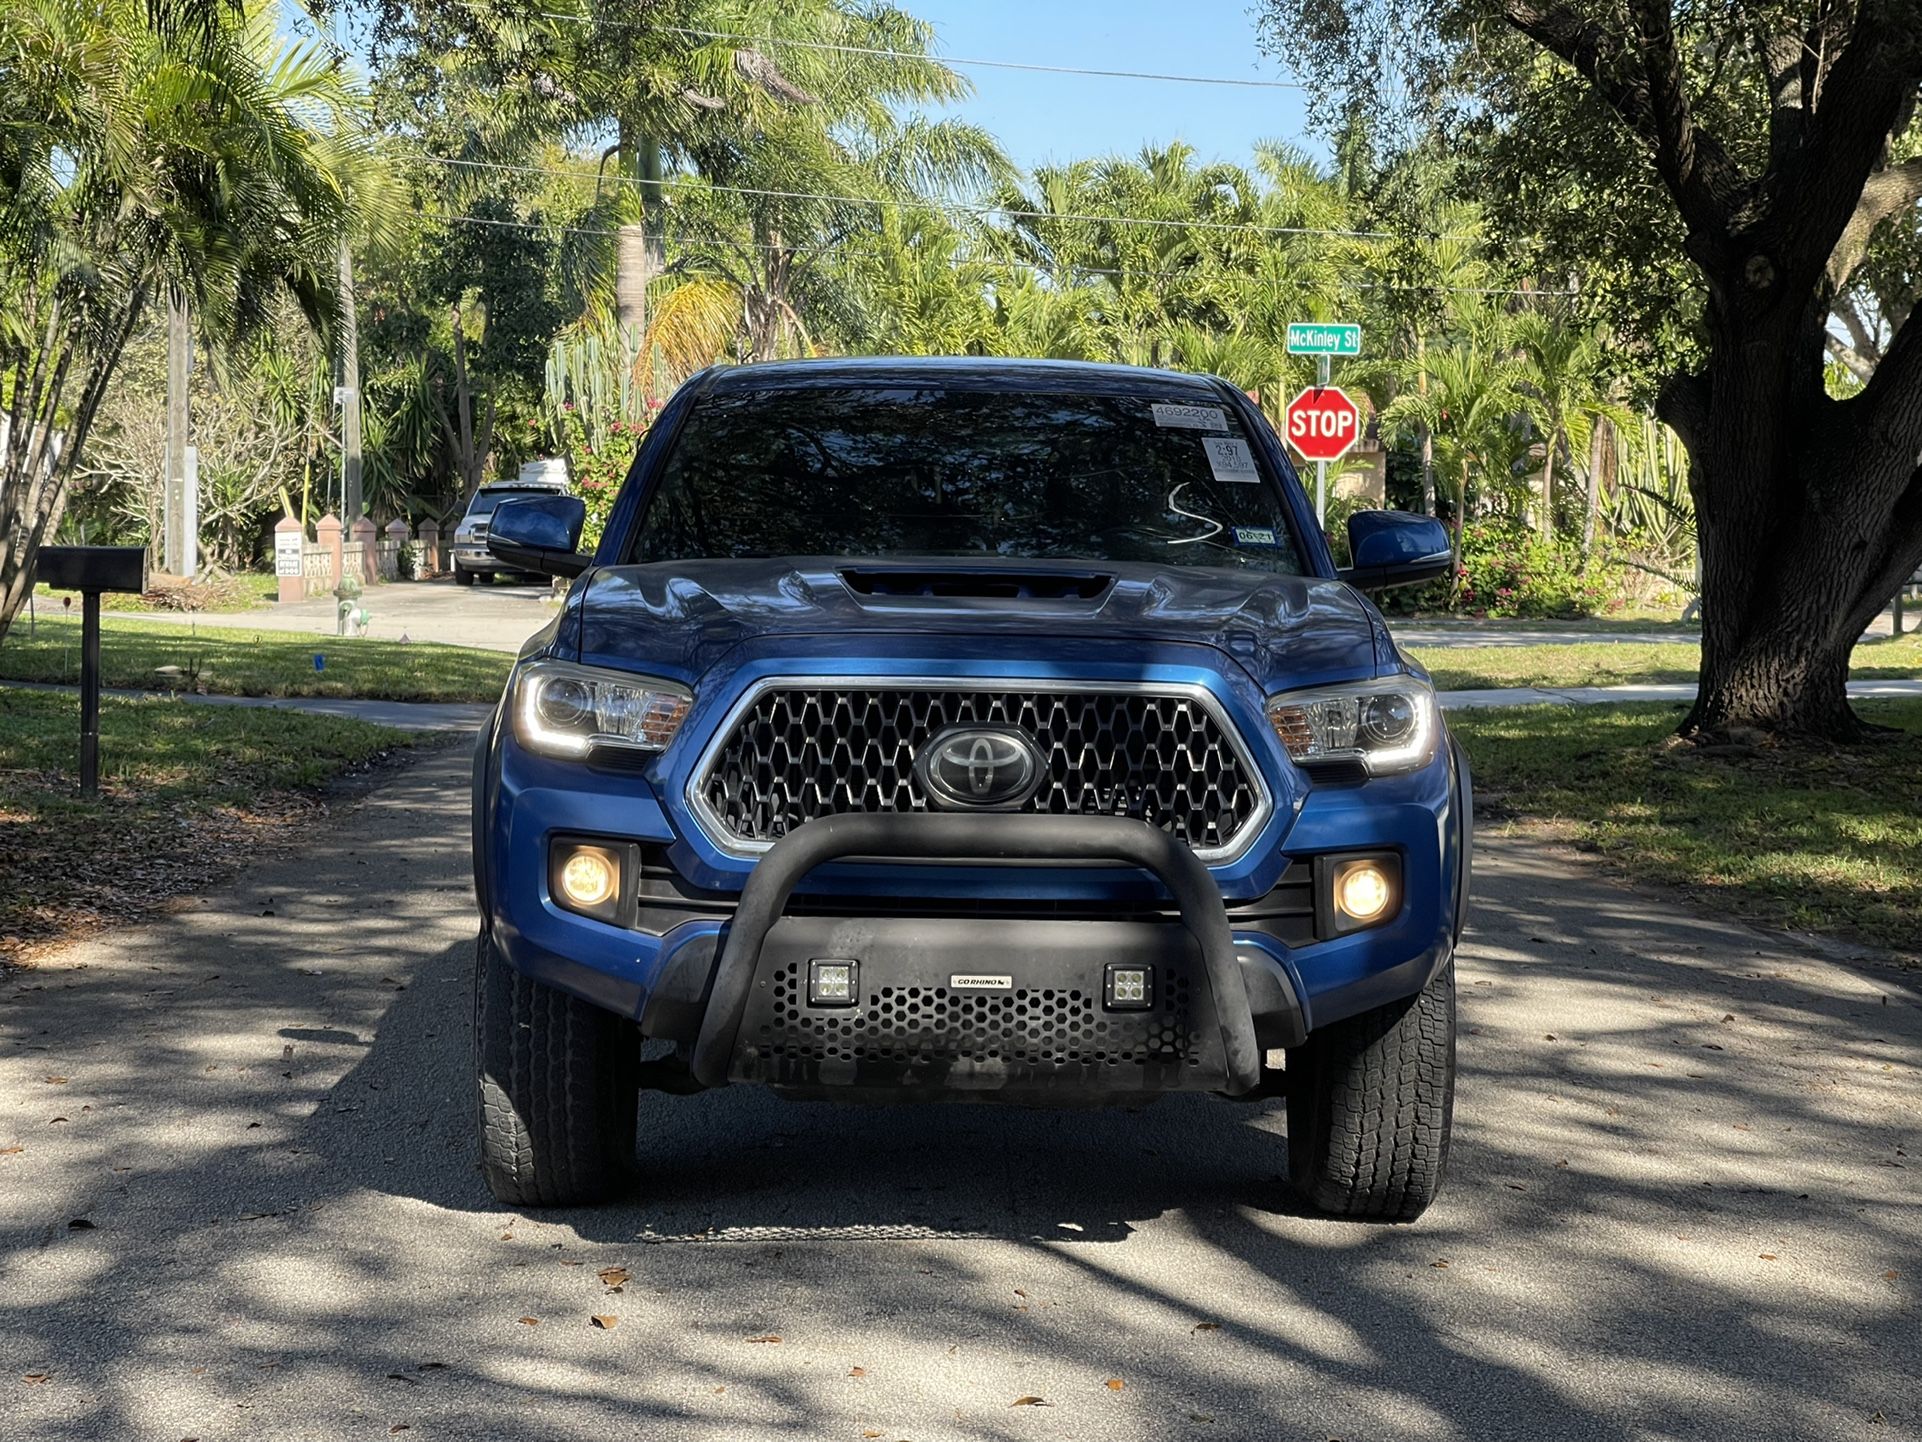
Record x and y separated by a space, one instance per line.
678 619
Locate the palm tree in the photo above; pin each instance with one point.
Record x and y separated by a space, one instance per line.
1468 403
198 157
1566 393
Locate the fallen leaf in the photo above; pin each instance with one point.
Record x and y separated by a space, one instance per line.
397 1427
36 1377
1548 1036
1115 1384
1890 1276
530 1321
1201 1416
55 1121
11 1151
719 1390
606 1324
54 1081
1019 1293
80 1224
863 1371
1766 1256
1441 1264
870 1432
613 1276
770 1337
1031 1402
1204 1327
507 1236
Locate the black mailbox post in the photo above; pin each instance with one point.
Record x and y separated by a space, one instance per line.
91 570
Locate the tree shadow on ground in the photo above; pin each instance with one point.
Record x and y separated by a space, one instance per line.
1680 1182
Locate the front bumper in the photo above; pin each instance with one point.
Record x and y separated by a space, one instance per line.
1198 1035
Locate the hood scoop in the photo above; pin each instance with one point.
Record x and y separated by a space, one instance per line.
923 583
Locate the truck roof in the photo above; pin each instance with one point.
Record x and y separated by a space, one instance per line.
966 372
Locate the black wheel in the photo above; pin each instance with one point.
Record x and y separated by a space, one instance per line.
558 1090
463 576
1370 1103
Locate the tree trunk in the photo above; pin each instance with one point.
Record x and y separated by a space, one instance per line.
1806 522
1427 436
1547 526
1592 499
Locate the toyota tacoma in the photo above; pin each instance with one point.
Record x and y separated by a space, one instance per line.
966 729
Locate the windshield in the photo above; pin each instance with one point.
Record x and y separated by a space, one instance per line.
485 500
928 471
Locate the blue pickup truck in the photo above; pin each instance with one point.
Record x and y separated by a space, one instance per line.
987 730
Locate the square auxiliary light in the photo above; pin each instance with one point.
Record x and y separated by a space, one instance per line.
834 983
1127 988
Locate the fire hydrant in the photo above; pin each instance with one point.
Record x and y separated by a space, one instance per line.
348 609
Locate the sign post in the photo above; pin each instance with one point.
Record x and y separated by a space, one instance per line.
1323 340
91 570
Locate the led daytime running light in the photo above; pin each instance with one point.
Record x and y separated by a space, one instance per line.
567 710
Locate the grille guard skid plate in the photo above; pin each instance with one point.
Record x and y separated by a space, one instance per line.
1001 838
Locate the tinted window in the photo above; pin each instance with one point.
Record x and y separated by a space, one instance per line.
485 500
926 471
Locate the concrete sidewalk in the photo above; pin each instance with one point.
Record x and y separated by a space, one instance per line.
239 1203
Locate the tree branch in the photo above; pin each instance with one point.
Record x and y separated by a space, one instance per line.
1857 364
1885 193
1650 97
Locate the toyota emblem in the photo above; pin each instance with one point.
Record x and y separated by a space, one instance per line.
984 768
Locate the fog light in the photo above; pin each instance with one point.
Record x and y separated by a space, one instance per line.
1127 988
587 878
834 983
1363 892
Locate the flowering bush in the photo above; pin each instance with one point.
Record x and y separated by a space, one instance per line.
596 472
1508 570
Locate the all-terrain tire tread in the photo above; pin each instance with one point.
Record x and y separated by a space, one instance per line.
1370 1115
557 1090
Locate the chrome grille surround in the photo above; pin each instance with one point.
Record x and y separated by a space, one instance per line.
1187 758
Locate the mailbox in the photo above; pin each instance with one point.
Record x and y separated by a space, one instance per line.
91 570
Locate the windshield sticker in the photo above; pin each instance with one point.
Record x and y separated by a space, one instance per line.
1231 460
1190 418
1255 536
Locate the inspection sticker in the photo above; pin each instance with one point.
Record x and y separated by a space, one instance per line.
1230 459
1254 536
1191 418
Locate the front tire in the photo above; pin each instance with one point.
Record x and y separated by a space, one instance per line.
1370 1106
462 576
558 1090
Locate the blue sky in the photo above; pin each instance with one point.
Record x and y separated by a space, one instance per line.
1064 117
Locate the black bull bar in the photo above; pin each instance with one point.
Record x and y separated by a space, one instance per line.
960 840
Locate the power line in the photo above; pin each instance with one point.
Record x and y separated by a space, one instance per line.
991 262
970 63
937 203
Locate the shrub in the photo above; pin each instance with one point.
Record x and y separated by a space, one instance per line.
596 472
1511 571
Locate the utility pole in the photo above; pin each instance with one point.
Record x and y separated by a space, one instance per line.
348 392
180 522
1323 365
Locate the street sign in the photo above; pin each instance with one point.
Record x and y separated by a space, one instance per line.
1338 337
1323 424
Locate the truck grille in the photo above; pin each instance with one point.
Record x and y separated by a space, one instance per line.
799 752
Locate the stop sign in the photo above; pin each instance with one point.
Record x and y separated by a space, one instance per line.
1323 423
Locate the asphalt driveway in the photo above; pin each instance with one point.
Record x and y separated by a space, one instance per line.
238 1200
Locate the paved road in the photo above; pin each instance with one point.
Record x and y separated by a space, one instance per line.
1684 1205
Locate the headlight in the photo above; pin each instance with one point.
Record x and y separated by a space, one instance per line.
1388 725
566 710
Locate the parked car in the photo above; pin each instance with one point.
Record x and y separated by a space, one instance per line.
471 557
996 730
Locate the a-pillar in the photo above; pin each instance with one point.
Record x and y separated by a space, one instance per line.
290 540
327 537
366 535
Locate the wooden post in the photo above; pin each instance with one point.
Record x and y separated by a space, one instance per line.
90 693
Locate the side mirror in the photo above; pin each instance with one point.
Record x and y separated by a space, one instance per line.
540 533
1395 548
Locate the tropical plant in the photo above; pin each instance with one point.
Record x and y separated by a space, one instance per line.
149 153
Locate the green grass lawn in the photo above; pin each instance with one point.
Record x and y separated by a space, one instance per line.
229 593
1601 663
188 794
1826 840
234 661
